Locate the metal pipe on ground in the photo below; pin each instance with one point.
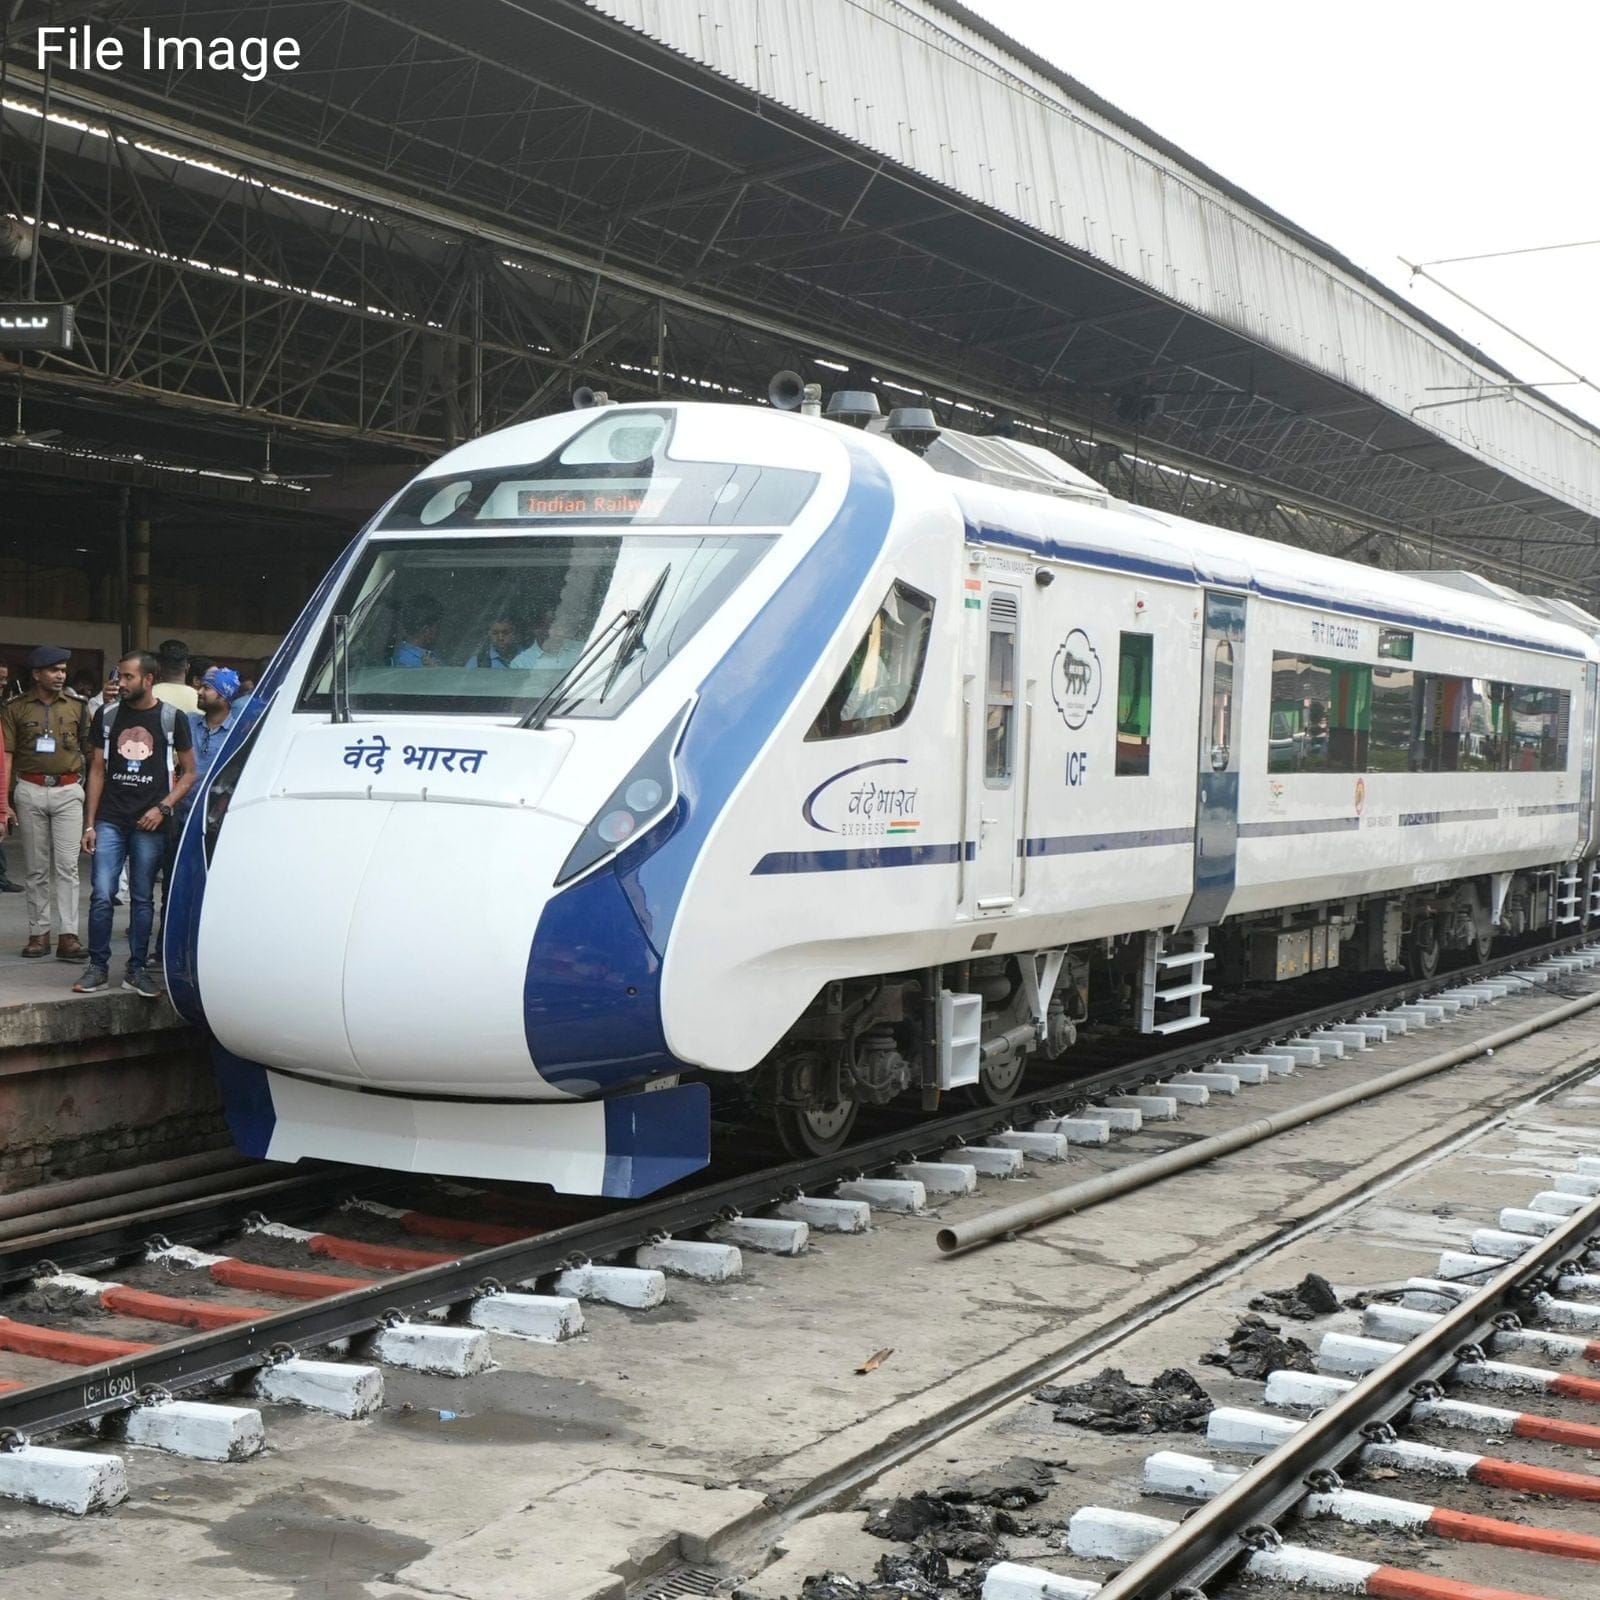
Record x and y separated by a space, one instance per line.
44 1222
49 1196
960 1236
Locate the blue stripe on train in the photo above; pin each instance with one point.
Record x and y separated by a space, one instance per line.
186 892
591 966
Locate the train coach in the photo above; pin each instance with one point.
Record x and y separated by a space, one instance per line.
648 757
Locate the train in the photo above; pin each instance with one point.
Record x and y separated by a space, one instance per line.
654 762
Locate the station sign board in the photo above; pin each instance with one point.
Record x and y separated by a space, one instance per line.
35 325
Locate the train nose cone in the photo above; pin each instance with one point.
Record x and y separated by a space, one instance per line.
436 953
390 925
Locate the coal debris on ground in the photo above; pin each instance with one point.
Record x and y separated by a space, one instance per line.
1256 1348
1311 1298
917 1574
1109 1403
1018 1482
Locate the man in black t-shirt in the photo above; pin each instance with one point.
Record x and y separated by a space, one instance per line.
141 765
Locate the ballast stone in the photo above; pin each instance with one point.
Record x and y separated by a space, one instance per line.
828 1215
545 1318
446 1352
1123 1118
1216 1082
940 1177
74 1481
633 1288
1152 1107
777 1236
341 1388
706 1261
887 1194
1034 1146
1186 1094
990 1161
195 1429
1254 1070
1010 1580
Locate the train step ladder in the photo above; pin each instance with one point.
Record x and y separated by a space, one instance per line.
1592 899
1569 895
1173 981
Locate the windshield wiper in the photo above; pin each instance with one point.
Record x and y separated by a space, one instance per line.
623 631
633 640
344 626
615 629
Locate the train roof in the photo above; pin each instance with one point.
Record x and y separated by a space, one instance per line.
1026 498
1154 544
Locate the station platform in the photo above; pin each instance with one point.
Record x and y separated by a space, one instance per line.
90 1083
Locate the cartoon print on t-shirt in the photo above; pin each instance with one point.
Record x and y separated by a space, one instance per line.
135 746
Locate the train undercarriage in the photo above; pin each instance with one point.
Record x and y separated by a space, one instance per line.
969 1028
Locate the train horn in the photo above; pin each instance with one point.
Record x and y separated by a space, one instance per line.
583 398
786 390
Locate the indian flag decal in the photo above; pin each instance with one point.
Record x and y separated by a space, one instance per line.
903 826
974 587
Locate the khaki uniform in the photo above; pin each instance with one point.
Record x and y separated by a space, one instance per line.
49 813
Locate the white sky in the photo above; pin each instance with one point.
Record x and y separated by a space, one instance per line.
1414 128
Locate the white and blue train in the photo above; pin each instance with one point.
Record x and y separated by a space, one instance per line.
653 755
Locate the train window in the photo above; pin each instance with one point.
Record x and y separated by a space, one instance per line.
878 688
1483 718
1000 694
1539 729
1327 715
1349 716
495 622
1321 718
1394 692
1134 671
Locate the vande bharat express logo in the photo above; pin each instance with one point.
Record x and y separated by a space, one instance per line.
868 801
1075 679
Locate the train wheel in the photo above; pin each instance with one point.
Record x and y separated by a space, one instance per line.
815 1130
998 1081
1422 949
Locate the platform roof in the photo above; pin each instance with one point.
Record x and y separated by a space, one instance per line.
449 215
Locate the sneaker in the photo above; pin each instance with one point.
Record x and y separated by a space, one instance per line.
94 979
8 887
141 983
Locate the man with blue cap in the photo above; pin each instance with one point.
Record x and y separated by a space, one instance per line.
210 727
45 741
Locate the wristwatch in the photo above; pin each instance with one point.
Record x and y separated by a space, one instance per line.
165 810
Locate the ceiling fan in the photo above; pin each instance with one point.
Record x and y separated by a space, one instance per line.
20 437
268 476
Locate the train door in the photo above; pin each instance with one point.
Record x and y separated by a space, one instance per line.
1216 827
1586 807
996 757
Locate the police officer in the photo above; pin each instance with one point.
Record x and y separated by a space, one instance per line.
44 739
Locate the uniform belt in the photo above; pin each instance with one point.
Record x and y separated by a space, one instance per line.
49 780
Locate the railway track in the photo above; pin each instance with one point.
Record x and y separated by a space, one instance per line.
1483 1348
371 1273
1474 1328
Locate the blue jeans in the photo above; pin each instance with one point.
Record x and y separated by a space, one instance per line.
114 844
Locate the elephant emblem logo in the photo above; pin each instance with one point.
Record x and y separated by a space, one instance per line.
1075 679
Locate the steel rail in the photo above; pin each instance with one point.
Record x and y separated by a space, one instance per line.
212 1357
1228 1527
184 1221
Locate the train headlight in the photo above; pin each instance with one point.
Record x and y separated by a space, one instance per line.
616 826
644 797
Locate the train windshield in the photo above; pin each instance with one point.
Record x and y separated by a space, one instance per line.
490 625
